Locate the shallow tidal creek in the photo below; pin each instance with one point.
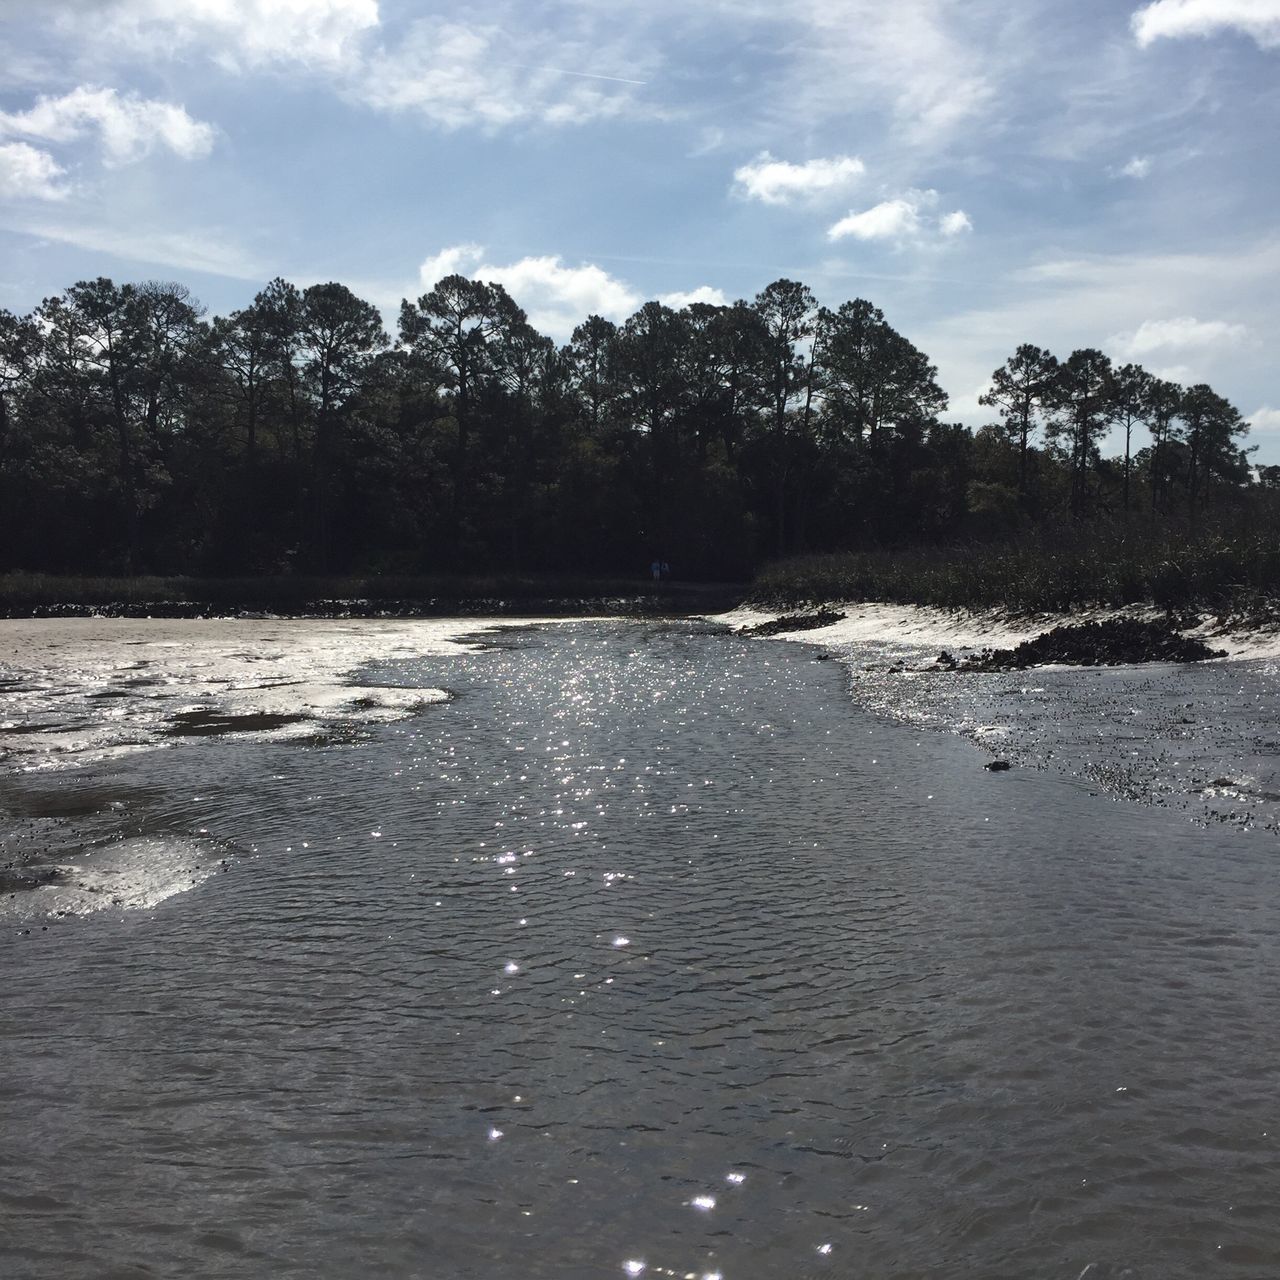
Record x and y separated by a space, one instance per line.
648 954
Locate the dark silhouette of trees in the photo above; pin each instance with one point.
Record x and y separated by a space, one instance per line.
1130 405
788 313
1211 425
1083 409
138 435
1164 402
1022 390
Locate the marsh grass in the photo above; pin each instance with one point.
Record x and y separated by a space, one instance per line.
1227 572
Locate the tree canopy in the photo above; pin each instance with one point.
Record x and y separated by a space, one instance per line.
138 434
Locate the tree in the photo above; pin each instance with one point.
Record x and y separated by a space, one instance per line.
338 336
1163 404
20 349
97 347
1131 387
591 358
279 310
243 349
1212 424
450 327
788 312
1022 389
1083 410
875 379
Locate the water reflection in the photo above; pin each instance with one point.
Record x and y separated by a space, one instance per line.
649 954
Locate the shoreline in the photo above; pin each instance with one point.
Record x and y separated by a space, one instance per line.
392 597
929 626
79 694
1195 736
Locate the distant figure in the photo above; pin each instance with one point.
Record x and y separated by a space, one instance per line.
665 571
656 569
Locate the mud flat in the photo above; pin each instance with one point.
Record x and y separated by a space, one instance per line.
1199 736
80 695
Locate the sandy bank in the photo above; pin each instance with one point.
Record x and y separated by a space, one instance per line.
932 629
72 686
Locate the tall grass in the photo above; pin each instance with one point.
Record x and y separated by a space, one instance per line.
1223 571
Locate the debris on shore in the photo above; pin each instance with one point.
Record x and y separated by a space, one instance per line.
1112 642
793 622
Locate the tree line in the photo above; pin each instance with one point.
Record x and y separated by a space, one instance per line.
296 435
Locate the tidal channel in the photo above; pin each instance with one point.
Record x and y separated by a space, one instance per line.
649 953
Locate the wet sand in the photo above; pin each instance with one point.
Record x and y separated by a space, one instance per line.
77 694
1199 737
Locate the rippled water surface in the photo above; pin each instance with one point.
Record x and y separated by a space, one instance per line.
648 954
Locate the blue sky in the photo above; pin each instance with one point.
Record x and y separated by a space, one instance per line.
1096 173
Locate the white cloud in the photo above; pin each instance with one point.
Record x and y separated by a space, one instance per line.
243 33
889 220
779 181
1182 373
456 260
1176 19
130 127
556 297
195 249
1265 419
904 219
458 75
28 173
1179 333
1138 167
706 293
505 68
1061 304
909 56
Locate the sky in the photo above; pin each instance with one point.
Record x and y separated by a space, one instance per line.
988 172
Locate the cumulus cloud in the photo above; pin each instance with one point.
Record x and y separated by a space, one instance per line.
1138 167
889 220
28 173
905 219
705 293
1180 333
557 297
244 33
1178 19
456 260
129 126
1265 419
779 181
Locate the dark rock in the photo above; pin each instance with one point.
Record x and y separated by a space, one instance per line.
946 661
1111 643
997 766
793 622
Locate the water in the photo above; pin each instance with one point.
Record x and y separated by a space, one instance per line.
649 953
